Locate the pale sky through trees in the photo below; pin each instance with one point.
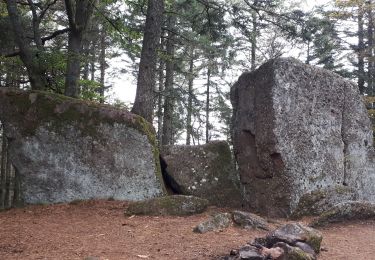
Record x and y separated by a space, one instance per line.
124 85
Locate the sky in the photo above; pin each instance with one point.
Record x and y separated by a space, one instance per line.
124 85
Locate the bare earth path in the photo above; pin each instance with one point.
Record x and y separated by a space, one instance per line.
99 228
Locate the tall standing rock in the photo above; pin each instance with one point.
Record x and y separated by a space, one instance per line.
66 149
296 129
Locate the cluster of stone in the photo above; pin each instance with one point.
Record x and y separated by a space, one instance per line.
291 241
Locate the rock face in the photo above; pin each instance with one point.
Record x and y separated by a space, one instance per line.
206 171
66 149
176 205
296 129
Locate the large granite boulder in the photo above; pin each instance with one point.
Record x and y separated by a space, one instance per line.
66 149
296 129
205 171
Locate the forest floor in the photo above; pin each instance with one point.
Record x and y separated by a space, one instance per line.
100 229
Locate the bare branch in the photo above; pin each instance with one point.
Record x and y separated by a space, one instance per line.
55 34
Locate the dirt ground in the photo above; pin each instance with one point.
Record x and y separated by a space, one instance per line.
99 228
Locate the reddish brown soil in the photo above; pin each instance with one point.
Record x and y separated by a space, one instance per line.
76 231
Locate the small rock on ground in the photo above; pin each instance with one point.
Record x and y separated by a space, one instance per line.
249 220
216 222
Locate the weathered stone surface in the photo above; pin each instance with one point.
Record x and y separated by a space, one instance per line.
66 149
294 253
296 129
318 201
346 211
293 233
249 220
205 171
175 205
216 222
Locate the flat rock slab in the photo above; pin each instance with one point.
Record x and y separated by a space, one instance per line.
346 211
66 149
175 205
205 171
319 201
296 129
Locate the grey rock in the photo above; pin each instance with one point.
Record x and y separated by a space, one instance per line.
346 211
297 129
305 247
216 222
91 258
66 149
250 255
294 253
318 201
249 220
205 171
176 205
293 233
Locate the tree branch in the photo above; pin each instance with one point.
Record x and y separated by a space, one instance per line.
55 34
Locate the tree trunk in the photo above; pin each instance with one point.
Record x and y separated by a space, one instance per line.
160 94
208 103
92 62
370 37
189 127
30 58
73 64
361 49
17 199
102 64
253 40
167 138
8 182
3 172
144 100
78 16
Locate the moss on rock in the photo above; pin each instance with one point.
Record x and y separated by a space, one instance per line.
176 205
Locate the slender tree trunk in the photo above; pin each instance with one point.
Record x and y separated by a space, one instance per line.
167 138
161 93
361 49
189 127
144 100
308 53
208 103
370 37
92 63
8 183
102 64
253 40
17 200
3 174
